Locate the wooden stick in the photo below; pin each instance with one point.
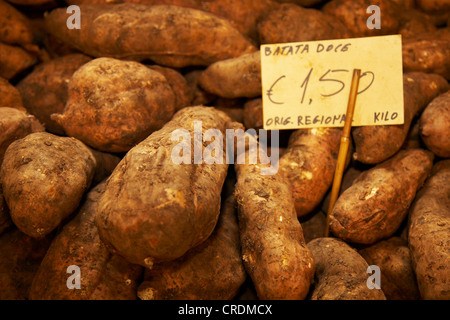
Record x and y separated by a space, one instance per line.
343 148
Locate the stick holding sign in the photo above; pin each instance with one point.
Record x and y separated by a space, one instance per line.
343 149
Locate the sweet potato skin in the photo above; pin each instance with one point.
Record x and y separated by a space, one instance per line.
273 247
375 144
103 276
434 125
340 272
213 270
15 124
10 96
15 28
194 38
44 90
113 105
155 210
43 178
398 280
373 208
308 165
234 78
428 234
14 61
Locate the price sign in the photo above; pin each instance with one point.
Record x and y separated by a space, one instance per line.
307 84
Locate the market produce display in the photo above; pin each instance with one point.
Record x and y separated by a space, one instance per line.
133 164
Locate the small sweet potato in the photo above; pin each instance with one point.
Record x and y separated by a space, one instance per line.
201 97
44 177
44 90
273 247
428 234
377 202
341 272
392 256
428 52
14 60
212 270
353 14
155 208
374 144
183 92
309 164
234 78
113 104
10 96
435 125
20 260
168 35
15 124
292 23
103 276
15 28
253 114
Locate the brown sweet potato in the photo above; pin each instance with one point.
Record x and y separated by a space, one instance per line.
113 104
273 248
168 35
291 23
398 280
374 144
19 262
183 92
253 114
201 97
105 165
44 177
15 28
10 96
14 60
435 125
212 270
309 164
353 14
377 202
44 90
428 52
234 78
433 5
341 272
429 234
413 22
103 276
154 209
15 124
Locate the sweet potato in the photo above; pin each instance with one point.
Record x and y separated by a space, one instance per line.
19 262
341 272
433 5
15 28
103 276
201 97
15 124
428 234
44 90
168 35
183 92
353 14
10 96
413 22
5 218
291 23
273 247
253 114
309 164
44 177
212 270
392 256
377 202
435 125
374 144
428 52
154 209
14 60
234 78
113 105
105 165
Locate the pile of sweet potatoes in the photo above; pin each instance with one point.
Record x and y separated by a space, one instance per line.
118 178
